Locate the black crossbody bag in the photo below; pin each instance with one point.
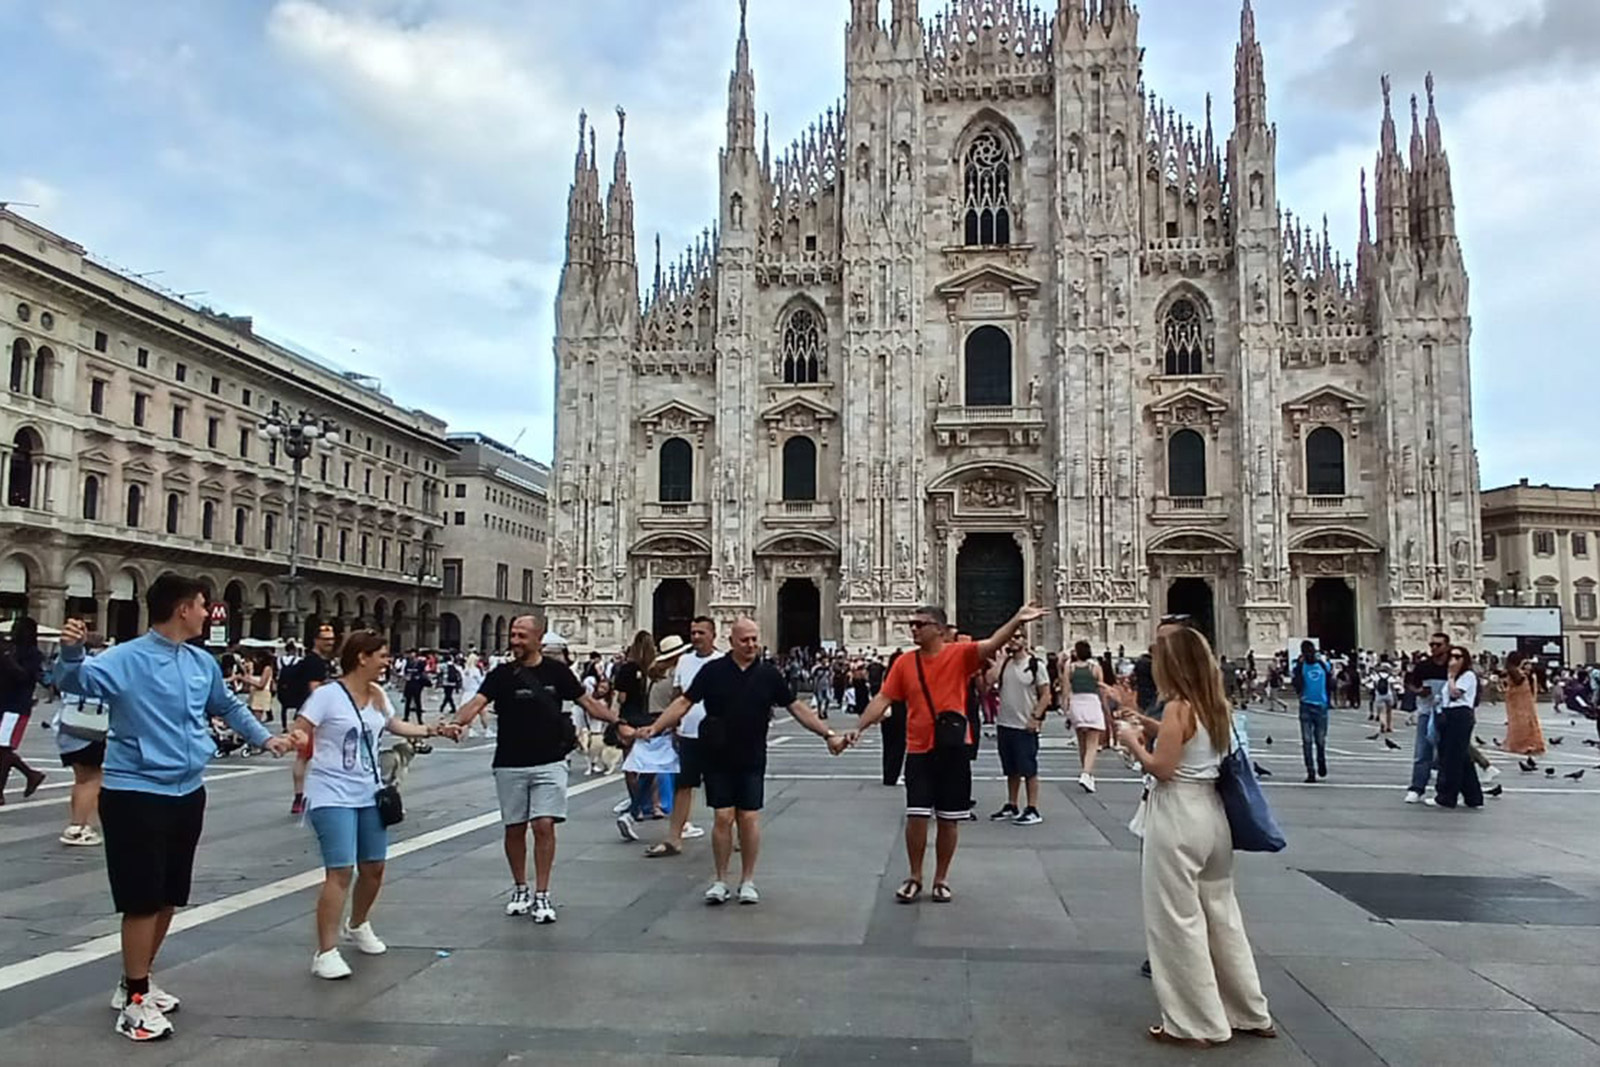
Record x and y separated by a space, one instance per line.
949 727
387 797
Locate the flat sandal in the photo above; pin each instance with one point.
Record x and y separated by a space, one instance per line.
1156 1033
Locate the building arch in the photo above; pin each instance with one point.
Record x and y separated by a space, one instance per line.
486 634
27 450
1325 466
44 363
1186 464
987 368
676 469
989 166
91 497
21 352
1030 479
1186 331
802 343
799 468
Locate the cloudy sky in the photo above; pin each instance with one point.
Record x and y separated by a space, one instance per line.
384 181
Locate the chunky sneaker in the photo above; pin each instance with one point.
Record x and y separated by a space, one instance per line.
1009 811
330 965
622 806
543 910
691 831
72 834
1029 817
521 901
1086 782
718 893
1413 797
88 835
138 1020
365 941
626 828
157 998
298 805
748 893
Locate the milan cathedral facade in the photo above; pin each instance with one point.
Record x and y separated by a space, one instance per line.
1002 327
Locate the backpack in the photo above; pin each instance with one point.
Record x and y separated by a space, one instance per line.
1380 685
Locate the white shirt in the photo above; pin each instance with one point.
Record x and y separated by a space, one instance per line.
1468 684
689 665
342 773
1019 691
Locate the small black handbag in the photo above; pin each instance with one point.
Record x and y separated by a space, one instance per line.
949 727
387 797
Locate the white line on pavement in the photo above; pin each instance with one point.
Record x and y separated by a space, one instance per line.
210 779
1102 779
16 974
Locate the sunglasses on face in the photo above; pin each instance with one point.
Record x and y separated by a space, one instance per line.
917 624
1167 619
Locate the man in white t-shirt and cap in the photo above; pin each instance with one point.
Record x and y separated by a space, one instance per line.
702 650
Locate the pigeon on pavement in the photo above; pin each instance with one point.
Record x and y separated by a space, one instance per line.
1576 775
1496 791
1375 736
1269 739
1550 772
1557 740
1528 764
1262 772
1390 742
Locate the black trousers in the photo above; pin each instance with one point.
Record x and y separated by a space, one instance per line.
1458 775
447 706
413 703
894 745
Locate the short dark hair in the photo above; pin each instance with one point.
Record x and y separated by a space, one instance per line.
707 619
1082 652
1308 648
359 643
167 592
935 613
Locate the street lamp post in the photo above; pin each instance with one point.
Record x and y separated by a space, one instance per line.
298 436
423 576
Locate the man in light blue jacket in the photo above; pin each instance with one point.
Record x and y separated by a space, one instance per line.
160 692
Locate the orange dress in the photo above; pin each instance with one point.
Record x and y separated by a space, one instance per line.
1523 735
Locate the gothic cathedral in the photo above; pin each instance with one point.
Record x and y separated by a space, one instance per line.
1001 327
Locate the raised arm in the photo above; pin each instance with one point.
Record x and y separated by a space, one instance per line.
997 640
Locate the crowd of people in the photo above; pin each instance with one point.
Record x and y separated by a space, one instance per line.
686 722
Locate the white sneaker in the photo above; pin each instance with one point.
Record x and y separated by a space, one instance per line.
1492 773
748 894
718 893
157 998
1086 780
521 901
365 941
1413 797
90 836
330 965
625 827
69 836
543 910
1430 803
691 831
622 805
138 1020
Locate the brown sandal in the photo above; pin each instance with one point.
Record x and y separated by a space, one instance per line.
1266 1032
941 893
909 892
1156 1033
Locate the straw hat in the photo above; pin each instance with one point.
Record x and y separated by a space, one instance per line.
672 646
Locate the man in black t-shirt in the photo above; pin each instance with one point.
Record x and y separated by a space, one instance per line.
739 692
530 756
295 685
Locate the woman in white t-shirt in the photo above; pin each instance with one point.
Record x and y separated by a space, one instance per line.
338 727
1458 774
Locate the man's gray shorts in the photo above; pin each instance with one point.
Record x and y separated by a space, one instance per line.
528 793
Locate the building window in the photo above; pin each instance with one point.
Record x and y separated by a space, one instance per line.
1325 462
461 489
988 367
1584 604
97 397
1183 339
986 179
322 468
1580 545
141 404
142 357
174 512
461 518
1544 543
1491 546
802 347
208 521
42 360
103 342
1590 656
91 497
216 386
677 471
241 525
181 372
244 443
366 545
502 582
135 506
405 493
344 545
527 586
451 572
213 431
383 553
347 475
245 397
322 541
177 422
19 364
269 531
799 469
1186 464
388 486
1544 599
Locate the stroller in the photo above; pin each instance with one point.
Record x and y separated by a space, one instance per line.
226 739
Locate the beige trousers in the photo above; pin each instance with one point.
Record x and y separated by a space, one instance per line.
1200 959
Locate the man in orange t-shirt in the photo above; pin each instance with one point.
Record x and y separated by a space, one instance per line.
930 680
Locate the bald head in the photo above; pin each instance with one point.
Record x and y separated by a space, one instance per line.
527 634
745 640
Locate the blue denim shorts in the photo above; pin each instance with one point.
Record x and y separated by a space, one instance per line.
350 835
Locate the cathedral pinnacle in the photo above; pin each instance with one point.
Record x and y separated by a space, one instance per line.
742 91
1249 77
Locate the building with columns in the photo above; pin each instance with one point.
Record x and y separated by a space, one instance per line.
1001 327
496 533
1541 548
129 447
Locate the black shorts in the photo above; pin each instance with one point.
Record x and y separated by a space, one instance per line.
91 755
939 783
743 790
150 843
691 763
1019 752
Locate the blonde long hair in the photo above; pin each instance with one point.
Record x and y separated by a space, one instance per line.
1186 669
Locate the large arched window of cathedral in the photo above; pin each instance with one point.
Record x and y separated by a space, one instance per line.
799 469
802 347
1183 338
1186 464
988 368
986 185
677 471
1325 462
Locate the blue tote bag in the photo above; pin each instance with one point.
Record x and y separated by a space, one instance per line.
1249 818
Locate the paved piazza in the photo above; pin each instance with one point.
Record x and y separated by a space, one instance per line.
1478 941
